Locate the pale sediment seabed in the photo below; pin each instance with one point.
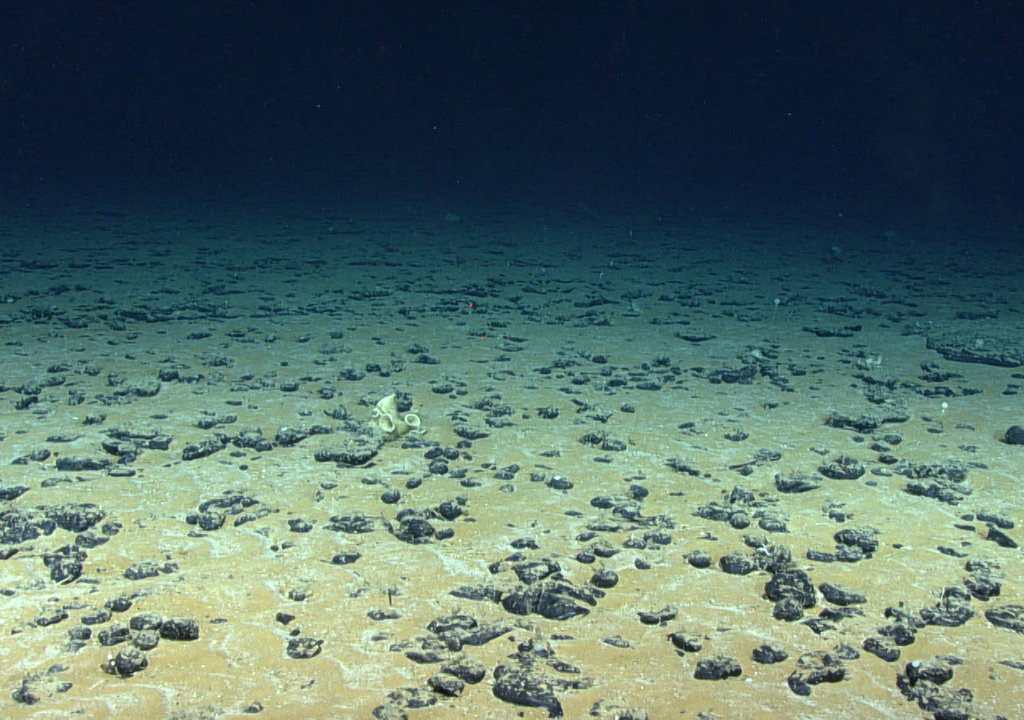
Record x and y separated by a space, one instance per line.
186 419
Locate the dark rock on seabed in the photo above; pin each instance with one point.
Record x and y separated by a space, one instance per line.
717 667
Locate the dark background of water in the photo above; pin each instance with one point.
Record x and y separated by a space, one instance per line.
901 111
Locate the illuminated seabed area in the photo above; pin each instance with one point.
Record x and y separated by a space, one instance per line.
635 465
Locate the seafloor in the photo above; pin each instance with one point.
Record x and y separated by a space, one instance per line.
186 449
